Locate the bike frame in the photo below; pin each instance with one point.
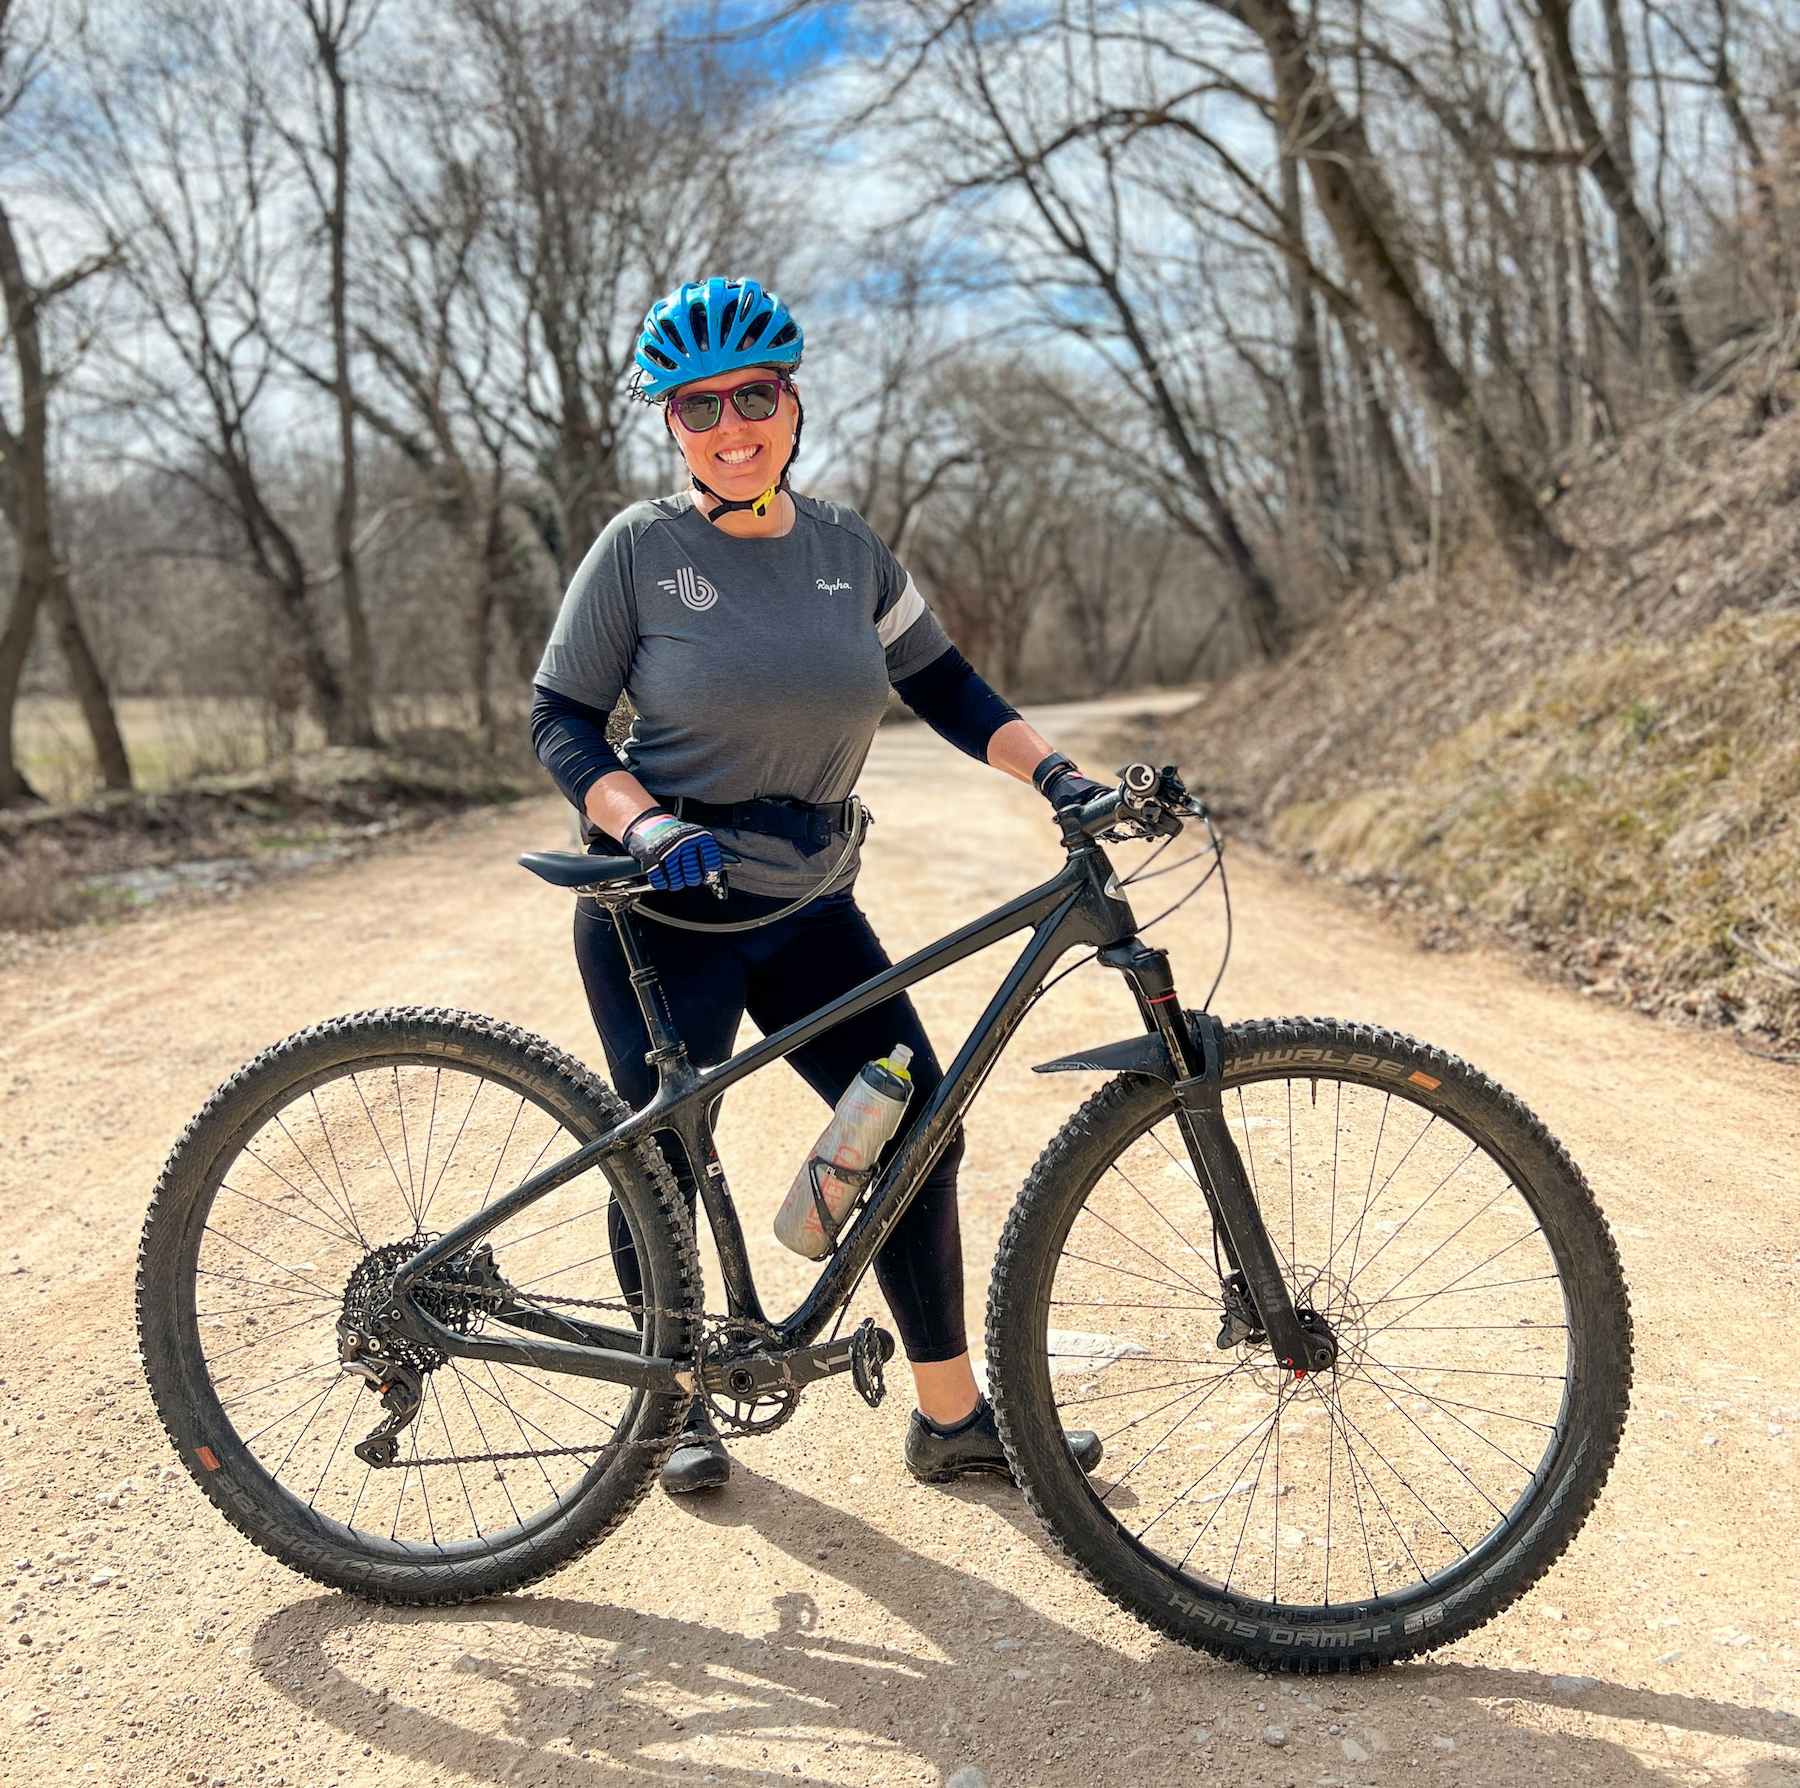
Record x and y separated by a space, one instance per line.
1083 904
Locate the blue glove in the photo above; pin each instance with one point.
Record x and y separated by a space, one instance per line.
1062 785
673 853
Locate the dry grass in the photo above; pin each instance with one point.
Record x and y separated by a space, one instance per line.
62 864
1634 815
171 740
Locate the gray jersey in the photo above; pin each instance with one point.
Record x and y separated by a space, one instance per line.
757 667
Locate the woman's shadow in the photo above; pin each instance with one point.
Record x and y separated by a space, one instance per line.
590 1689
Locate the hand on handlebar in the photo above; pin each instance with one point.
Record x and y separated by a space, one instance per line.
1062 785
1147 804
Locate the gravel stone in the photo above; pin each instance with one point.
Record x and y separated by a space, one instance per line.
1273 1735
967 1777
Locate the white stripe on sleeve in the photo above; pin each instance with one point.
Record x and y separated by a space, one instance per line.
909 606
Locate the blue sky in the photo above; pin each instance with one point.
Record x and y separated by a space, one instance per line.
774 35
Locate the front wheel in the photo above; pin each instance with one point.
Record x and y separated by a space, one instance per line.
1359 1515
307 1180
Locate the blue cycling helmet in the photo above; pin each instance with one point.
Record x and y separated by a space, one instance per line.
712 326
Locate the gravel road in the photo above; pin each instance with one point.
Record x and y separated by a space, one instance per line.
825 1620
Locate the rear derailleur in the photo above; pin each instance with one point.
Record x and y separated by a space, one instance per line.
372 1347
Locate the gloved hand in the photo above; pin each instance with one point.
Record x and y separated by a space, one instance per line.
673 853
1062 785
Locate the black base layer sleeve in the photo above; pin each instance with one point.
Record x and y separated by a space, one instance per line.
570 740
955 703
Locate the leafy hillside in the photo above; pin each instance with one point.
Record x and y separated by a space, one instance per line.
1605 767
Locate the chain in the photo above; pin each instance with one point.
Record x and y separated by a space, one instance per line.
636 1310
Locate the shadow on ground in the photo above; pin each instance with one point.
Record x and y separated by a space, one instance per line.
573 1691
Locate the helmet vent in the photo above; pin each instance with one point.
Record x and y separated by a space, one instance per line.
711 326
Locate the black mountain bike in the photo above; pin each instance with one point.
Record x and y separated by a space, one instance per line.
1346 1316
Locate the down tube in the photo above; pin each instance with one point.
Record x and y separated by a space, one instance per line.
1062 930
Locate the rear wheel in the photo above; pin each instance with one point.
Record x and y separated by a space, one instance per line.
287 1205
1361 1514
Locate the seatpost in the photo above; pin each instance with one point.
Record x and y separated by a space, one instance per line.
646 984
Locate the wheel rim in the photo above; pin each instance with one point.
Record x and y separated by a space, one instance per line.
324 1189
1371 1485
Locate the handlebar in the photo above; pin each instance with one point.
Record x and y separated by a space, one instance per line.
1148 803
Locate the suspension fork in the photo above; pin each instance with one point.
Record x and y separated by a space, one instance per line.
1198 1059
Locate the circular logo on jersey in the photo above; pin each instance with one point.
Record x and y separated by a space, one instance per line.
695 592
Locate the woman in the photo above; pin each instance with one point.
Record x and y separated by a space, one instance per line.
757 633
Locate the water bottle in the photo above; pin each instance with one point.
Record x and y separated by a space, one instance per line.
841 1161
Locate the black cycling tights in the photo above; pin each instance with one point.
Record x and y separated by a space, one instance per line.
778 974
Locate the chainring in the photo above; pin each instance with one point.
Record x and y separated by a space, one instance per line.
761 1413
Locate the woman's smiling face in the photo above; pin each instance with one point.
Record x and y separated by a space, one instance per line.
737 458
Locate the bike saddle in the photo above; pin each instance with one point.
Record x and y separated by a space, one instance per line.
576 869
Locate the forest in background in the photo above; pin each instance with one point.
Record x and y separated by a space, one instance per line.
1154 335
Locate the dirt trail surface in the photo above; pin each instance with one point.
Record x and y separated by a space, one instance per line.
824 1619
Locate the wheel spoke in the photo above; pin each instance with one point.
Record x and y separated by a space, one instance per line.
347 1173
1285 1490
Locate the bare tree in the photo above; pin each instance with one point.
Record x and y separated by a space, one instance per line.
1356 203
191 167
1003 118
336 28
1643 241
615 170
25 495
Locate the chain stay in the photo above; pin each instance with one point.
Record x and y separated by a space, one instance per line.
614 1304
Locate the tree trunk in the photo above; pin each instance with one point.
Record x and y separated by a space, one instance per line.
1355 204
357 713
1641 237
15 642
90 684
1397 509
1631 279
1317 457
28 511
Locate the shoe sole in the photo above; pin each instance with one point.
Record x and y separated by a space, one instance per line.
961 1471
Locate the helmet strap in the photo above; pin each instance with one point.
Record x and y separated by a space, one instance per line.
756 505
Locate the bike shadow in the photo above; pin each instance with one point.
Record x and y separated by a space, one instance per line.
559 1689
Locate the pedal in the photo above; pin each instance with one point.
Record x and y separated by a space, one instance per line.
870 1349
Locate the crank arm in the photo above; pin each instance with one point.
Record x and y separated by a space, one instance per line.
789 1368
1200 1114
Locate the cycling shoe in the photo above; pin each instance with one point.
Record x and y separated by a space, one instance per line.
936 1455
699 1461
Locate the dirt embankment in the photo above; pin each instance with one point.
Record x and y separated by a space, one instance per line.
97 858
1600 768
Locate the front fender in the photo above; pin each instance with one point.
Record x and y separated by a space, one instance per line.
1131 1055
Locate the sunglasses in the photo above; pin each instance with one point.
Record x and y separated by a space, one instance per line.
755 402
